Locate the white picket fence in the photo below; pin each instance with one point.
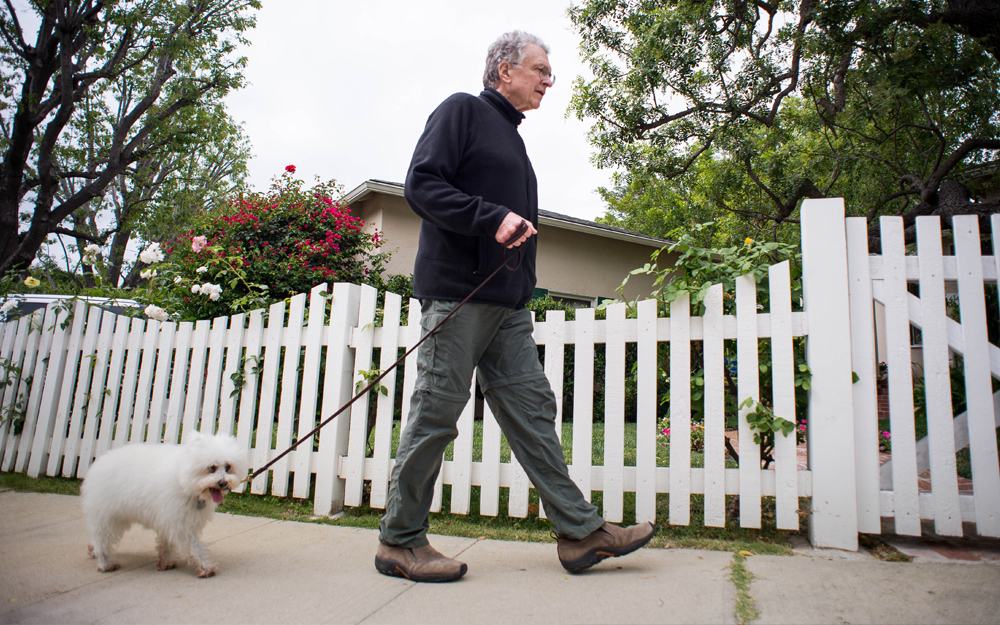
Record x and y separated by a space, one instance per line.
93 381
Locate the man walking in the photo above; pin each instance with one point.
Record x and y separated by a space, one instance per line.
471 182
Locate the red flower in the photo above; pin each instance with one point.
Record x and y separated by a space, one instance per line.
290 169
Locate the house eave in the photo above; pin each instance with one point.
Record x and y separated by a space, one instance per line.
545 218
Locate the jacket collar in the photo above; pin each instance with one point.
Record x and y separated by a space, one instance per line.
503 105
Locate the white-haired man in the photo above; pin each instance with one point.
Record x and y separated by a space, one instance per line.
471 182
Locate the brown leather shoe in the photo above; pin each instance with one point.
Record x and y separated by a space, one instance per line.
607 541
423 564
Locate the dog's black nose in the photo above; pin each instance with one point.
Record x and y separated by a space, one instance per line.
223 483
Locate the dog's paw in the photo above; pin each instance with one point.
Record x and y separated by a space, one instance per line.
165 565
114 566
90 550
206 570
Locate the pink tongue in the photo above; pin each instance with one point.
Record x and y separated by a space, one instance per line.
216 495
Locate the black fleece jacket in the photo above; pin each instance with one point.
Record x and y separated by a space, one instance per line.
468 171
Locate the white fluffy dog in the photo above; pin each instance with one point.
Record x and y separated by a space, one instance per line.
170 489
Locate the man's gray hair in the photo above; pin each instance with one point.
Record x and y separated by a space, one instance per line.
508 47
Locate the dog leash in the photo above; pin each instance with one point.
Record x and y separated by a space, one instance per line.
521 229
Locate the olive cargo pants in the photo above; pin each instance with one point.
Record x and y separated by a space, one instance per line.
498 340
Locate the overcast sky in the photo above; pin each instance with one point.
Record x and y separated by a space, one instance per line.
342 90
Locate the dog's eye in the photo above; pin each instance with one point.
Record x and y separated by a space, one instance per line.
229 469
213 469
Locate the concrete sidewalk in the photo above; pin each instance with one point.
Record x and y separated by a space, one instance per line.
285 572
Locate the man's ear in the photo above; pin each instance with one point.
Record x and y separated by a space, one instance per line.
504 71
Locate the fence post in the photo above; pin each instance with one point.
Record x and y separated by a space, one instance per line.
338 388
834 511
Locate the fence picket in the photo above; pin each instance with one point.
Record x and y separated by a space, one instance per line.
46 319
130 375
45 439
310 389
158 402
715 408
554 331
783 384
95 390
647 400
15 391
354 472
389 353
937 380
898 359
178 382
291 339
229 392
583 399
863 363
978 385
338 386
748 386
614 415
196 383
82 398
252 366
680 410
268 393
113 386
213 375
142 410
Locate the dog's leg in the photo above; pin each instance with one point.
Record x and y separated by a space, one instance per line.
164 551
203 566
104 541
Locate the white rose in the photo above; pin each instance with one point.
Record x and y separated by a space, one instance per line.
178 280
213 291
196 289
151 254
201 269
148 273
155 312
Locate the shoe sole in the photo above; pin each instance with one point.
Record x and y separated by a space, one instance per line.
600 554
395 569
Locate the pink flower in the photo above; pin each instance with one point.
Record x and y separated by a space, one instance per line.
199 243
290 169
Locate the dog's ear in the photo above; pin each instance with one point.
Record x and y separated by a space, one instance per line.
194 438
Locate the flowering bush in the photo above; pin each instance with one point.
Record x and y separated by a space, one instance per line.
697 434
261 248
884 441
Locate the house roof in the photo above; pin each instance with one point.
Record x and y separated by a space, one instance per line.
545 218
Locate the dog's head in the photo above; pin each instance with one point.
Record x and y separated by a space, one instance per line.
215 465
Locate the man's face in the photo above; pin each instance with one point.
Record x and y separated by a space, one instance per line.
522 84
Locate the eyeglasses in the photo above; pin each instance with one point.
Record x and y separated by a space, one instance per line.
544 73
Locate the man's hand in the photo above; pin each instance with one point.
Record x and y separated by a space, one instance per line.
509 226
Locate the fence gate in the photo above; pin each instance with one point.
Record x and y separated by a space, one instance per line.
900 291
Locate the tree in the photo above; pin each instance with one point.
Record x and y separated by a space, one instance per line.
890 104
98 105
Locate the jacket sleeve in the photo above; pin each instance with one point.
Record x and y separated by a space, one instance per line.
430 189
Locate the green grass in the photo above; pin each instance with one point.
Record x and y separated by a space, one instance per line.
24 484
741 577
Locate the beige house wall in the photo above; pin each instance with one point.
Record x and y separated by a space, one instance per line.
584 262
579 263
390 215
